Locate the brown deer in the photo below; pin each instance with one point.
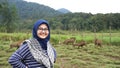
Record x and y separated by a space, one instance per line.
69 41
98 42
16 44
80 44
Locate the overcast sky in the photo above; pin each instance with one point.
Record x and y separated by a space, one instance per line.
92 6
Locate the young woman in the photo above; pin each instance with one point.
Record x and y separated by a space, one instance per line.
36 52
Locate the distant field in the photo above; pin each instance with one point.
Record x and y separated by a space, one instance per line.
68 56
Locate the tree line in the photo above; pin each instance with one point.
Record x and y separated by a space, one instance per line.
10 20
86 21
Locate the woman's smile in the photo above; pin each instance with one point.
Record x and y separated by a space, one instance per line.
42 31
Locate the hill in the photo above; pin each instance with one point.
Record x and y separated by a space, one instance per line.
63 10
28 10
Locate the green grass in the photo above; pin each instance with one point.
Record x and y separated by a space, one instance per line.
89 56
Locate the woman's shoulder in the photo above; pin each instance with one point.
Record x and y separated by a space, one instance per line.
24 45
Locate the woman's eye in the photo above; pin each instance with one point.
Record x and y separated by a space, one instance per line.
43 29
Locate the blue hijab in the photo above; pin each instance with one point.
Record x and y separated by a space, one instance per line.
43 42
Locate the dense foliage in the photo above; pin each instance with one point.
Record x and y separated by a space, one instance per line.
8 15
19 15
86 21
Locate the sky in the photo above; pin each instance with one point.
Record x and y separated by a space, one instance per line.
87 6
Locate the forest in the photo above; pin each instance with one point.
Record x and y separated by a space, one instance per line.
21 14
86 22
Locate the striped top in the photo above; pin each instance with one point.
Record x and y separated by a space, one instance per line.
23 58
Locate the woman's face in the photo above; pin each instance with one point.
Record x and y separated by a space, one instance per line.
42 31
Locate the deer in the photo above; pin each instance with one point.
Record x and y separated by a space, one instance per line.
80 44
16 44
98 42
69 41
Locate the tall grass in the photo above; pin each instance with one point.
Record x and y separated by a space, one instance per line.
68 56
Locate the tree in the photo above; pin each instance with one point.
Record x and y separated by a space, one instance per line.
9 16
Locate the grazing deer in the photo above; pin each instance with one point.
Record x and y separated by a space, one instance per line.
80 44
16 44
69 41
98 42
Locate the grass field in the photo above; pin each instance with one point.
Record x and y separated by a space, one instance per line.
90 56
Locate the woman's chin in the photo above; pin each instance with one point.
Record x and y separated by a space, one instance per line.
43 37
